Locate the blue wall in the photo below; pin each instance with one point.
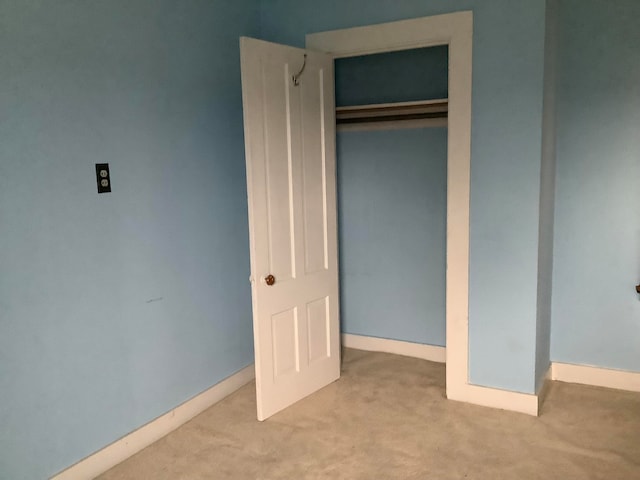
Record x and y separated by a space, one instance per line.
596 311
115 308
402 76
508 67
392 230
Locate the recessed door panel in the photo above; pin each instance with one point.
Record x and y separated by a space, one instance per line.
284 327
318 328
313 166
277 170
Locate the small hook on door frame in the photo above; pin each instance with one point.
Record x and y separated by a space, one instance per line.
296 77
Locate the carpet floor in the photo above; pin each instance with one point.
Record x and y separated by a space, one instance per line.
388 418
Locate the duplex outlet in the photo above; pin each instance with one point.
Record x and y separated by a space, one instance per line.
103 178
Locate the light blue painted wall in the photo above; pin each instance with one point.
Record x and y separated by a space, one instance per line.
392 231
402 76
596 311
116 308
547 198
508 67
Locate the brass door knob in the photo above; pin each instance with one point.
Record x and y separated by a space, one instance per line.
270 280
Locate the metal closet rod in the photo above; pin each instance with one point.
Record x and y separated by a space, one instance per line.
384 111
425 113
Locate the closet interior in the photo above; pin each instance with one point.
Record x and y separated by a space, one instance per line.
391 119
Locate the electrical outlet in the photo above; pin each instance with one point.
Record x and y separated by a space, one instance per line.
103 178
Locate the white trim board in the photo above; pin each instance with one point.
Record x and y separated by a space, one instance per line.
543 390
456 31
596 376
526 403
115 453
432 353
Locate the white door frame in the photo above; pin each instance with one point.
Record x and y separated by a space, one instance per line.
456 31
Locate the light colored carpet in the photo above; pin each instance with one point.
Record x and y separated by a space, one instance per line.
387 418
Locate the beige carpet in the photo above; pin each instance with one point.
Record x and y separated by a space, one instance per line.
387 418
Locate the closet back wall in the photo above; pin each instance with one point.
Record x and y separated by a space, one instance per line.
392 202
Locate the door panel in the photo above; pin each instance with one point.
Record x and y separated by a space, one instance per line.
285 350
313 174
278 171
318 328
290 153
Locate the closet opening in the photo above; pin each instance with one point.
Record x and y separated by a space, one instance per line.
391 129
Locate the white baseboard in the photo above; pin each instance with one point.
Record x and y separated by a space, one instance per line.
115 453
543 390
496 398
408 349
596 376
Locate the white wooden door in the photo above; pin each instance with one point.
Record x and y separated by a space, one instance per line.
290 154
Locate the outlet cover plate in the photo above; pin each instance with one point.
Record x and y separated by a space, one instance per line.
103 177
